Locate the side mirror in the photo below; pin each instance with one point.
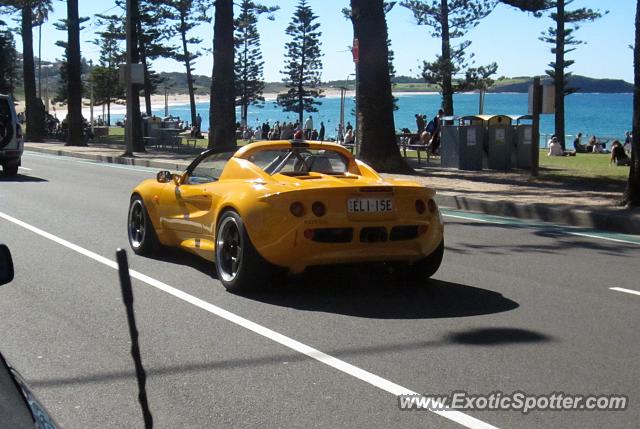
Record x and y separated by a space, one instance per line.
6 265
164 176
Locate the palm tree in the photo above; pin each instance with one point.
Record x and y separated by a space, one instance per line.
34 106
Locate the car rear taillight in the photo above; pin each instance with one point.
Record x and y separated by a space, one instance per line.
297 209
433 207
308 234
18 131
318 209
420 206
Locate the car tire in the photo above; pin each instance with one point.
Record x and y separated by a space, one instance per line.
239 266
423 268
10 170
142 235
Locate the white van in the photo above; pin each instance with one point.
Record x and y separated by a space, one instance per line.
11 140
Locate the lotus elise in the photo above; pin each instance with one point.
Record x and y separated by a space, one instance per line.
282 206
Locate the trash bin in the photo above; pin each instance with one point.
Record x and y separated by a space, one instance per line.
461 143
499 142
522 138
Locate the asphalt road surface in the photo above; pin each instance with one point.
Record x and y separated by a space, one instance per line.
515 307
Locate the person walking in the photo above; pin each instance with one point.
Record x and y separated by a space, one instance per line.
322 131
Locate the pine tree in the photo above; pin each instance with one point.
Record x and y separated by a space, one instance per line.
249 65
304 67
8 70
560 36
450 20
222 112
186 15
375 102
75 137
62 93
107 87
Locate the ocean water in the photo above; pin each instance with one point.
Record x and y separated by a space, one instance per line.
603 115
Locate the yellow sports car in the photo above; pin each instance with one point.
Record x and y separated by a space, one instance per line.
287 205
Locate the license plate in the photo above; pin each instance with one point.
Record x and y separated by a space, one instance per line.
369 205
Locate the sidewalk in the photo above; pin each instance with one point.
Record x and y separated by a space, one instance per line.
490 192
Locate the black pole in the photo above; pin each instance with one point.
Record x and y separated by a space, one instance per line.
127 297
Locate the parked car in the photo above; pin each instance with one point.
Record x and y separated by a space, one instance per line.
11 140
19 408
284 206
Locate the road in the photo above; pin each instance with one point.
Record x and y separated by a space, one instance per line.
515 307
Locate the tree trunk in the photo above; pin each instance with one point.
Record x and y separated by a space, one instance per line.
34 111
631 195
75 136
143 60
559 73
375 102
108 113
447 84
187 64
133 135
223 112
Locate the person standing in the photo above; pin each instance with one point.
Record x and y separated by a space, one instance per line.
322 131
198 126
420 123
308 127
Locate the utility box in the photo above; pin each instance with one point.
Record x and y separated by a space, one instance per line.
521 131
461 143
499 142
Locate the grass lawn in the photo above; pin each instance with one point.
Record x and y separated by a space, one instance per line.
594 167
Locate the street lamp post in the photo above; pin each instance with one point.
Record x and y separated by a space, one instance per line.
91 92
355 50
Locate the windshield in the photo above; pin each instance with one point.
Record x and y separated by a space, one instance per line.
300 161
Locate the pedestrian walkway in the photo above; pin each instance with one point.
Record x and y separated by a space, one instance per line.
497 193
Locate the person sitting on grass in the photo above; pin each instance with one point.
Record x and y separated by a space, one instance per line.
555 149
577 146
618 155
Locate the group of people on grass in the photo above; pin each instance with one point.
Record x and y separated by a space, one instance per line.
619 152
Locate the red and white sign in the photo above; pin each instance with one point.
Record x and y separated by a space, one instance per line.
355 51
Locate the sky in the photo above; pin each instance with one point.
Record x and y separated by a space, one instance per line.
507 36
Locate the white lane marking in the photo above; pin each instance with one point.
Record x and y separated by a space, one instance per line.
24 168
340 365
565 230
621 289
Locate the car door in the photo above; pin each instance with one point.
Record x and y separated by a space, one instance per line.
188 208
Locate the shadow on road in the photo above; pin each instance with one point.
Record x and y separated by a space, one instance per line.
372 292
477 337
561 242
180 257
21 178
496 336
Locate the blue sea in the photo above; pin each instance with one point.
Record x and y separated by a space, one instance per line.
603 115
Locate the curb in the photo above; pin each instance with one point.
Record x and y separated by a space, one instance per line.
123 160
623 220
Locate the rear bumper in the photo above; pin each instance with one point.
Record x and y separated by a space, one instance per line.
370 242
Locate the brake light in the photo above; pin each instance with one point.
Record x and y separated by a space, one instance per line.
420 206
18 131
318 209
433 207
308 234
297 209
